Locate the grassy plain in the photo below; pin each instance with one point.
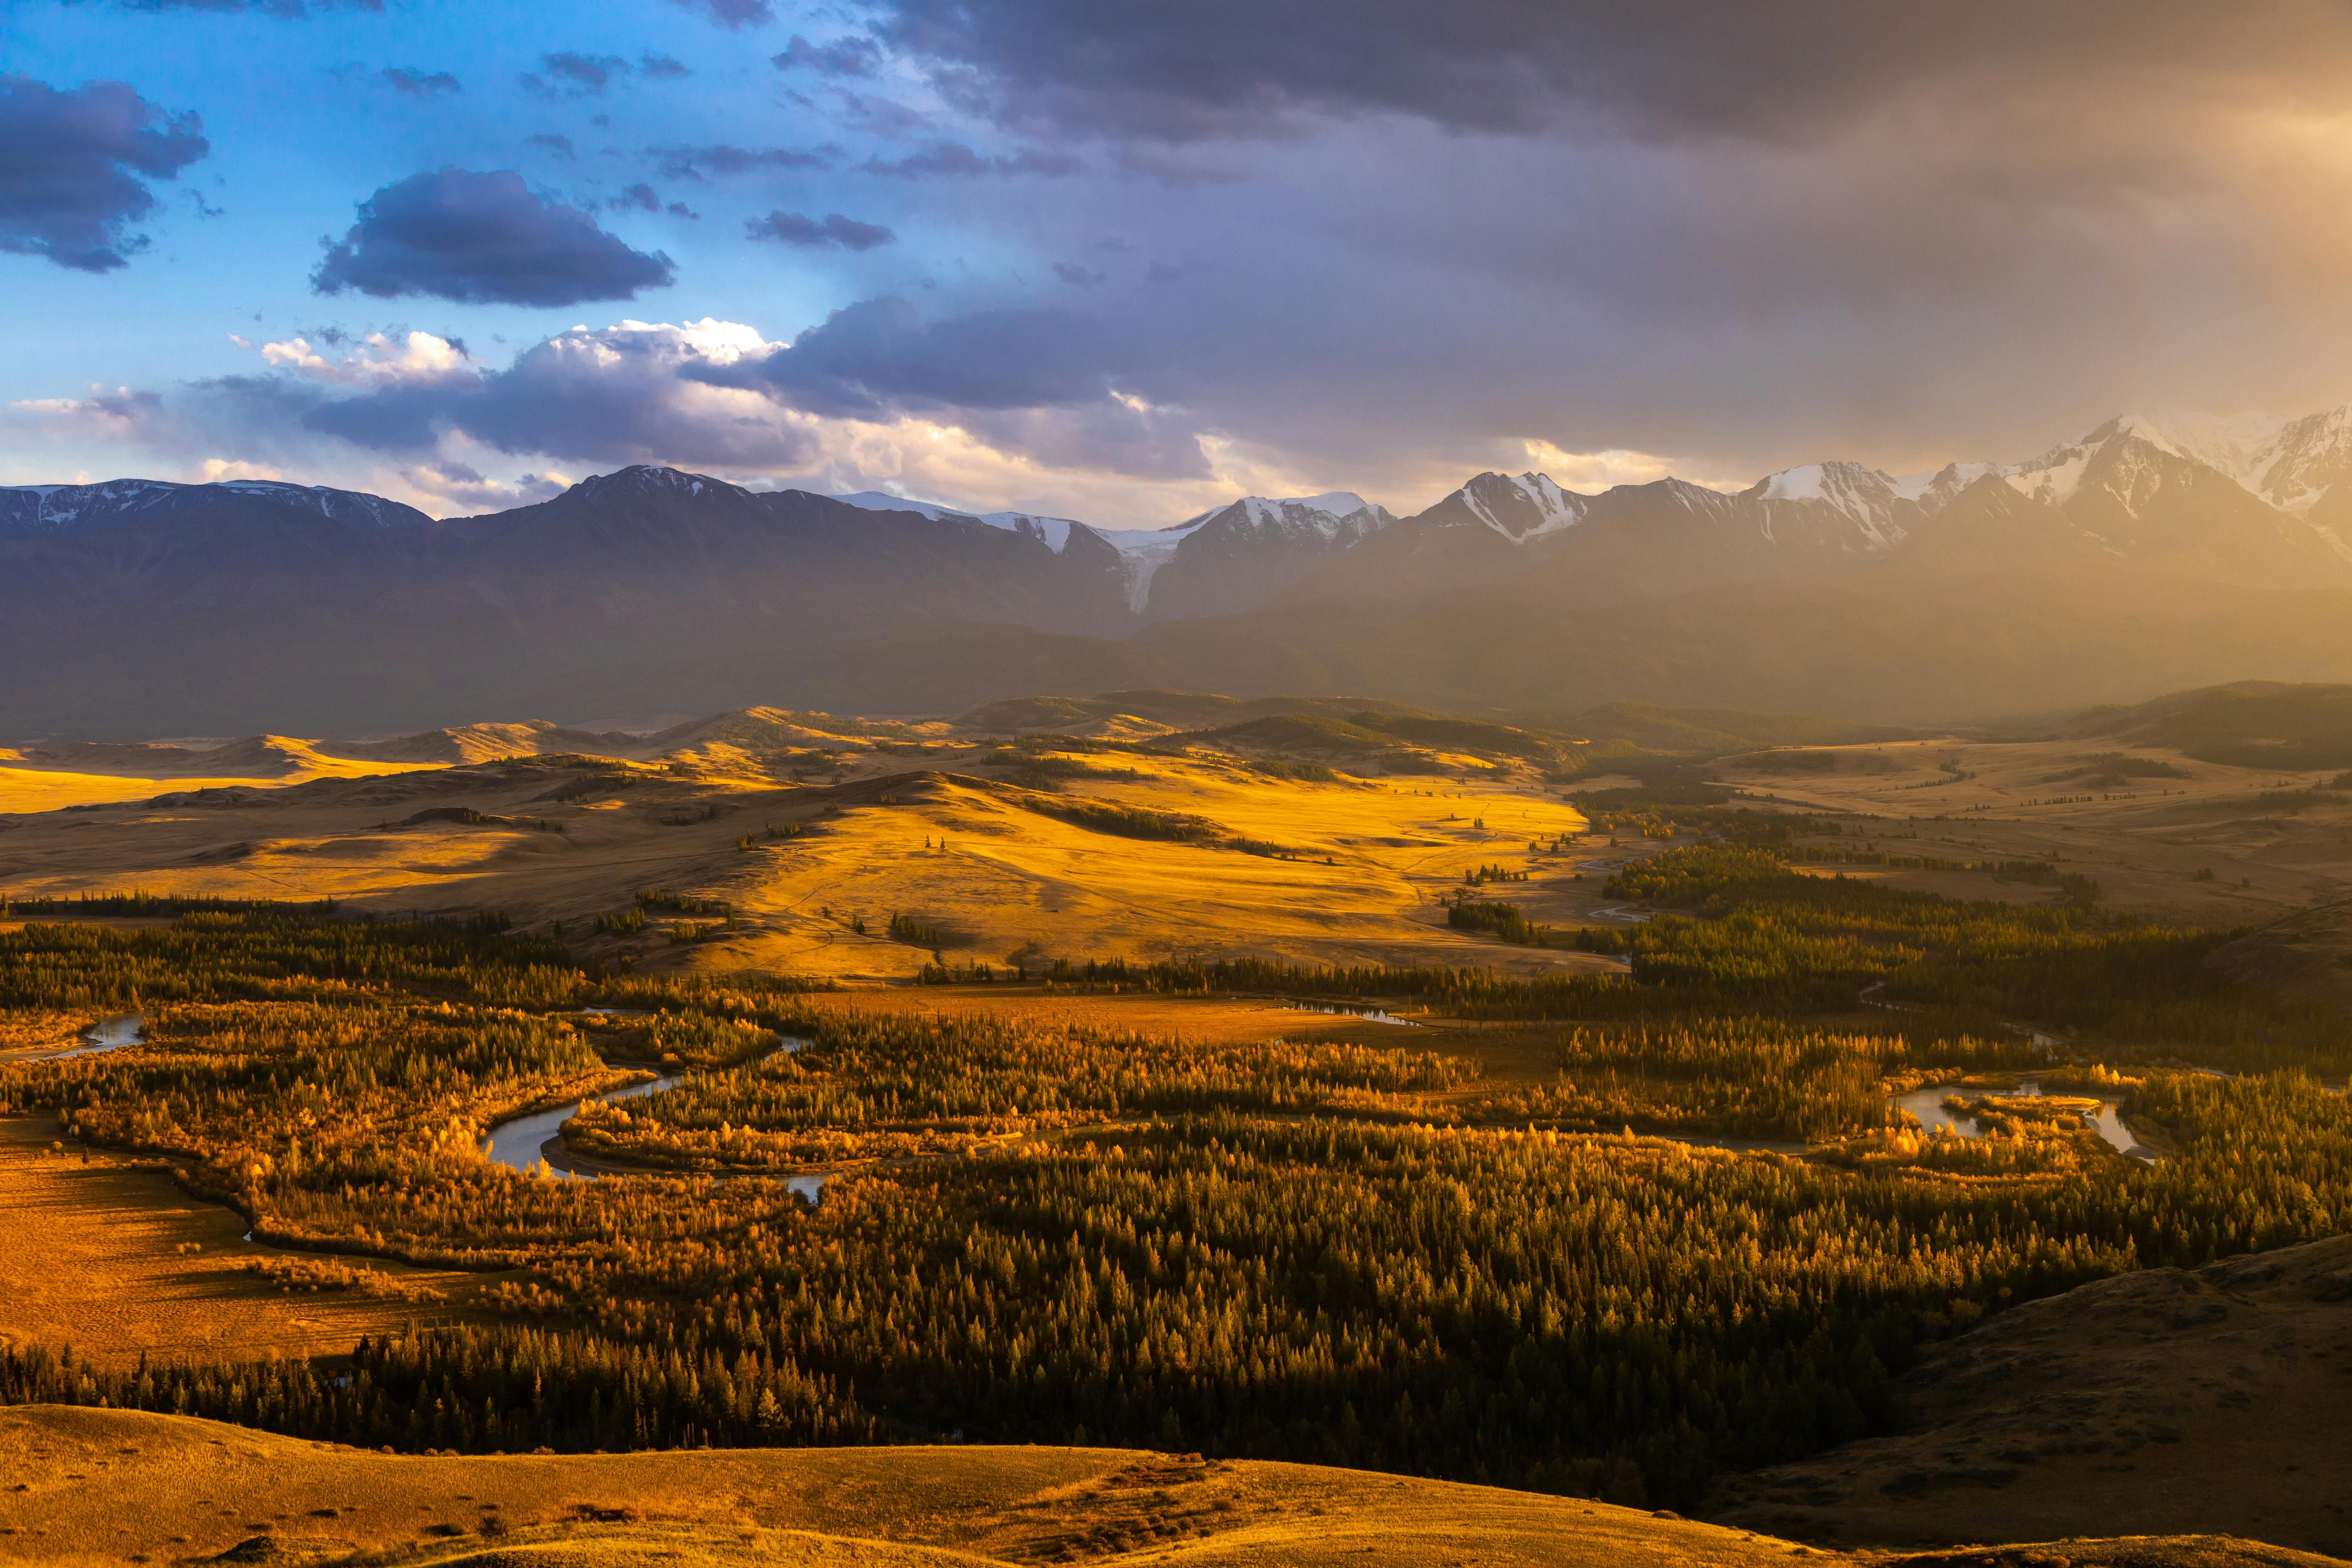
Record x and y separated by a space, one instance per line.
117 1263
1427 1266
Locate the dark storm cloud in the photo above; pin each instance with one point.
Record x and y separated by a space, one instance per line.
811 234
844 57
879 357
412 83
482 239
700 162
734 13
953 160
73 167
1649 68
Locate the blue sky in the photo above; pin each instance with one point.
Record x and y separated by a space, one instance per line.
1123 264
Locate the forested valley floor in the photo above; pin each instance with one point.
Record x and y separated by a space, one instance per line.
1040 1230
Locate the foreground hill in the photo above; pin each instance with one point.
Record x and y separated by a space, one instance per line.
2214 1399
110 1485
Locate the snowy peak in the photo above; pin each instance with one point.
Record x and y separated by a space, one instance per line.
2128 460
1521 507
1865 498
644 479
1336 517
1935 489
2307 457
55 509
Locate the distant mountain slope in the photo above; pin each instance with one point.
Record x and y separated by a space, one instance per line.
58 508
1232 557
2248 724
222 608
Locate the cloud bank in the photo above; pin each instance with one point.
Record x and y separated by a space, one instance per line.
476 238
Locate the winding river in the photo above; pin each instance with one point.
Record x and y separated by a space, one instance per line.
534 1141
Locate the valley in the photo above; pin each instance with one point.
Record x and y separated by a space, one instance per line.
1326 1087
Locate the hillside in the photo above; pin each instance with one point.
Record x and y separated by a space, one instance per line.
2247 723
2212 1399
293 1501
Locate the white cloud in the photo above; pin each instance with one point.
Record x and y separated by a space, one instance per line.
1595 471
216 470
377 359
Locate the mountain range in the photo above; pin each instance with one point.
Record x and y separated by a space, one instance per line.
2146 555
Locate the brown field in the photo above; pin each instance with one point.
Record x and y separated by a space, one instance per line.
91 1257
198 1490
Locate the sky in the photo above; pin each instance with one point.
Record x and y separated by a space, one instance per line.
1126 262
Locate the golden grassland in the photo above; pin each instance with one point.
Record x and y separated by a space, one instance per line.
28 783
1330 872
989 856
97 1485
117 1263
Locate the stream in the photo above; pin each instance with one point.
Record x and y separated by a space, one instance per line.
106 1034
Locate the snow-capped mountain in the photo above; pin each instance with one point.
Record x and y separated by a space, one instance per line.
146 604
49 509
1238 556
2306 469
2144 491
2295 465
